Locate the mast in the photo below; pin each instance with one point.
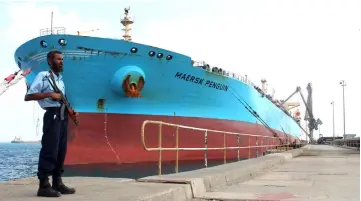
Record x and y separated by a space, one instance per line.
126 22
51 24
264 87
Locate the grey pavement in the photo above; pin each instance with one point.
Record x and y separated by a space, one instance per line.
329 176
94 189
310 173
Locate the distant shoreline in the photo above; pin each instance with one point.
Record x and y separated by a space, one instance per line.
30 142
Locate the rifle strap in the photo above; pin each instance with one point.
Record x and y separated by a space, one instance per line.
56 89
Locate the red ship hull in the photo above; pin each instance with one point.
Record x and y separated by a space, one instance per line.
88 143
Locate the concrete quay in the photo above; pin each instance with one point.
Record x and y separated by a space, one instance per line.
321 173
314 172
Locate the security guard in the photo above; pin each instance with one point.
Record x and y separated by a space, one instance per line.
55 122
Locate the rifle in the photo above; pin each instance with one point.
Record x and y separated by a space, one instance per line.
63 98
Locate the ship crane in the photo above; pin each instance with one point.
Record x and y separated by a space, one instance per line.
312 123
291 105
80 33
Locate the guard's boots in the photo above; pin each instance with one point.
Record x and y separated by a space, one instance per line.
45 189
58 185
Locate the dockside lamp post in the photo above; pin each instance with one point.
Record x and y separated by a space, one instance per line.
333 121
343 84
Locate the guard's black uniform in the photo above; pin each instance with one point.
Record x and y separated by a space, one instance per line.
54 144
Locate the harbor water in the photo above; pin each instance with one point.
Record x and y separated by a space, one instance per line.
18 160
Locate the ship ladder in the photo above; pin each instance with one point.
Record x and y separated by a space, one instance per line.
36 119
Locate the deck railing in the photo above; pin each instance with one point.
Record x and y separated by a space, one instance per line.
54 30
350 142
226 73
265 143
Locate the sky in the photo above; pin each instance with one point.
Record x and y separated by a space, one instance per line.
290 43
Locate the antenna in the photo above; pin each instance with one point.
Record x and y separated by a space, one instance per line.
126 22
51 24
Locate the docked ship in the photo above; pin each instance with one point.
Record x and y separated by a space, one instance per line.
117 84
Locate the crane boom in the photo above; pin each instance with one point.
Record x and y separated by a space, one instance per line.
313 124
83 32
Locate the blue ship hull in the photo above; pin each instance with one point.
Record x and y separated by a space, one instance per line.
174 90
